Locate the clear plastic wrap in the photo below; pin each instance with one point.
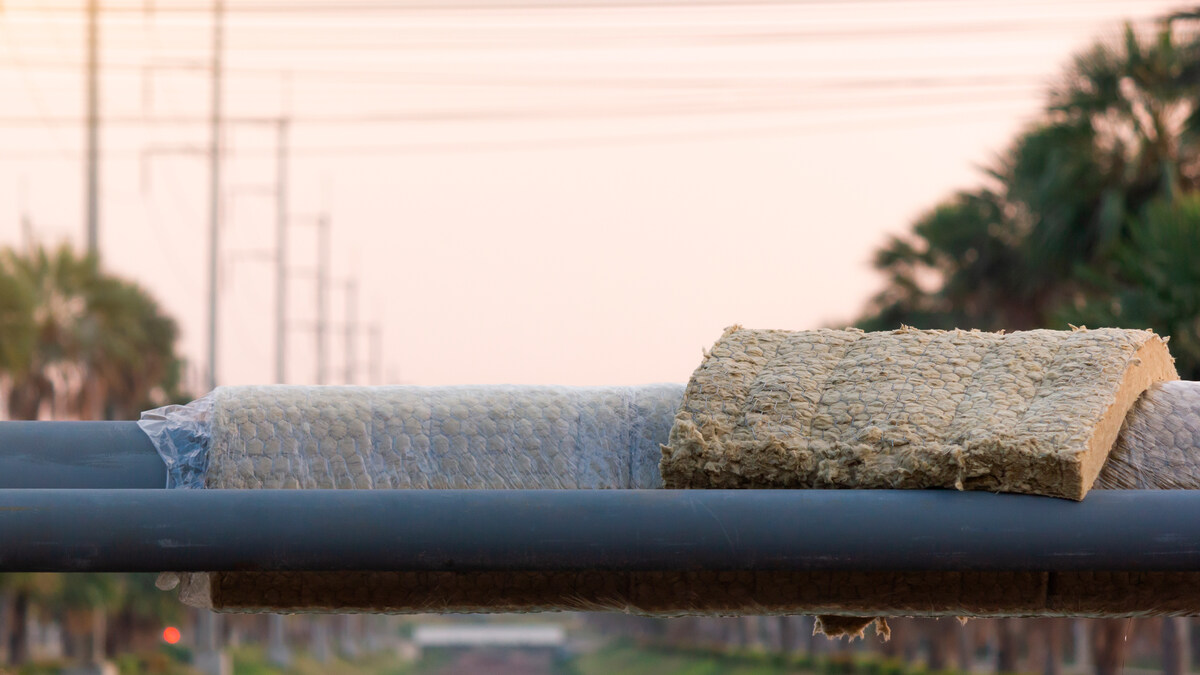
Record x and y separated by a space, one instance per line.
416 437
1159 446
182 434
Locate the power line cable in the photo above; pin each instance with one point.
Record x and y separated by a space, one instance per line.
821 127
592 112
725 40
451 79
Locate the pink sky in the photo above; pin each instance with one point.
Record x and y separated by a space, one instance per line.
574 195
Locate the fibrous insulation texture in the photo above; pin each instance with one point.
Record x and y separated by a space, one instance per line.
1031 412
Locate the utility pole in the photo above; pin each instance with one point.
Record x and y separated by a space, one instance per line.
209 655
281 227
92 134
322 292
280 193
278 651
27 232
351 329
214 188
375 356
27 239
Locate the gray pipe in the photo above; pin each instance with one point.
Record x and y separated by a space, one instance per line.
100 455
474 530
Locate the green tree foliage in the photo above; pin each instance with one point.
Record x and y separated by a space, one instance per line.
1089 217
86 344
1157 281
963 265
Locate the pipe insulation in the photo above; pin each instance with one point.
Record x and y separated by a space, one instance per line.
1034 412
403 437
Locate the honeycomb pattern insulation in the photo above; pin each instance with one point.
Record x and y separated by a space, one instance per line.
1159 446
438 437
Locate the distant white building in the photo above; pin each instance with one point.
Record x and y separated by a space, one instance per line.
515 636
524 648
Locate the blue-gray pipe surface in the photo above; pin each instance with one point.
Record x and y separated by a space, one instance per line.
472 530
78 455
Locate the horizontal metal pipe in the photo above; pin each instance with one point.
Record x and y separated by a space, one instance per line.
222 530
100 455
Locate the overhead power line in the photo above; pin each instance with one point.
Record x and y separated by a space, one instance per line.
503 38
942 117
449 79
689 109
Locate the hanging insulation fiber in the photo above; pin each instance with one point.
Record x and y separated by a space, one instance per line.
1029 412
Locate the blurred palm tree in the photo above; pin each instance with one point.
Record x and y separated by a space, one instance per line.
962 266
1156 282
1119 132
1064 232
92 346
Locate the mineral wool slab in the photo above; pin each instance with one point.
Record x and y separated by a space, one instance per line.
1031 412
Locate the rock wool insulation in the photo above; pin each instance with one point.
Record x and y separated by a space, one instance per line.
1033 412
549 437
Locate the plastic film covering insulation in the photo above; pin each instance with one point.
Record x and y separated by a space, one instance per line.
493 437
1159 446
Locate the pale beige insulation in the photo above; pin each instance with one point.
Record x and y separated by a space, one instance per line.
608 438
1033 412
